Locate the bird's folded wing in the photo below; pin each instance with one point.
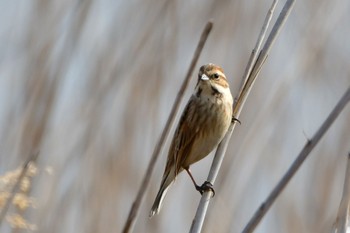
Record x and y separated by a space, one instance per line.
185 136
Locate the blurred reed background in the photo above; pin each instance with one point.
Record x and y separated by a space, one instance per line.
91 83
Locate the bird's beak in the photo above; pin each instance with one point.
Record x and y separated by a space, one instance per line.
204 77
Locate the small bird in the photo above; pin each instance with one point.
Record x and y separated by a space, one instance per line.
203 124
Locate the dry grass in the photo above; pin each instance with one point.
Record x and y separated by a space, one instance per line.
91 84
14 188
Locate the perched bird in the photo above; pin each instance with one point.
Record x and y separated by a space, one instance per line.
203 124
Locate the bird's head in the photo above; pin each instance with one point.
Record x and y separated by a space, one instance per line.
212 80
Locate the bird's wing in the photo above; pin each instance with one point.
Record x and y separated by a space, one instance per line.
184 137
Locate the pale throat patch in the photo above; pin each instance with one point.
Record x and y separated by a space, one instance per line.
221 89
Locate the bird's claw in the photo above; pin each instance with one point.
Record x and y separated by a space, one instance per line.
206 186
235 119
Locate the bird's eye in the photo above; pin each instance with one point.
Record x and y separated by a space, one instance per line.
216 76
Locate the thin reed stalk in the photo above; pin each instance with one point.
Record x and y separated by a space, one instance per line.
265 206
253 68
342 222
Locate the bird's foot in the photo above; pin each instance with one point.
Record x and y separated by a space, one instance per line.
206 186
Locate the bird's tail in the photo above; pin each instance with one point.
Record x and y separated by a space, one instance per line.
165 185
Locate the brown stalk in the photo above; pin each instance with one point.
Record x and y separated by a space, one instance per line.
130 222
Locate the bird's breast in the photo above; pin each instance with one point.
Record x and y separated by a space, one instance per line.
214 118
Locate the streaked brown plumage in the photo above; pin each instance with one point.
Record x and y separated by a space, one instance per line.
203 124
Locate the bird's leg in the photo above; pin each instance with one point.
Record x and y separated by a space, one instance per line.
204 187
190 174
